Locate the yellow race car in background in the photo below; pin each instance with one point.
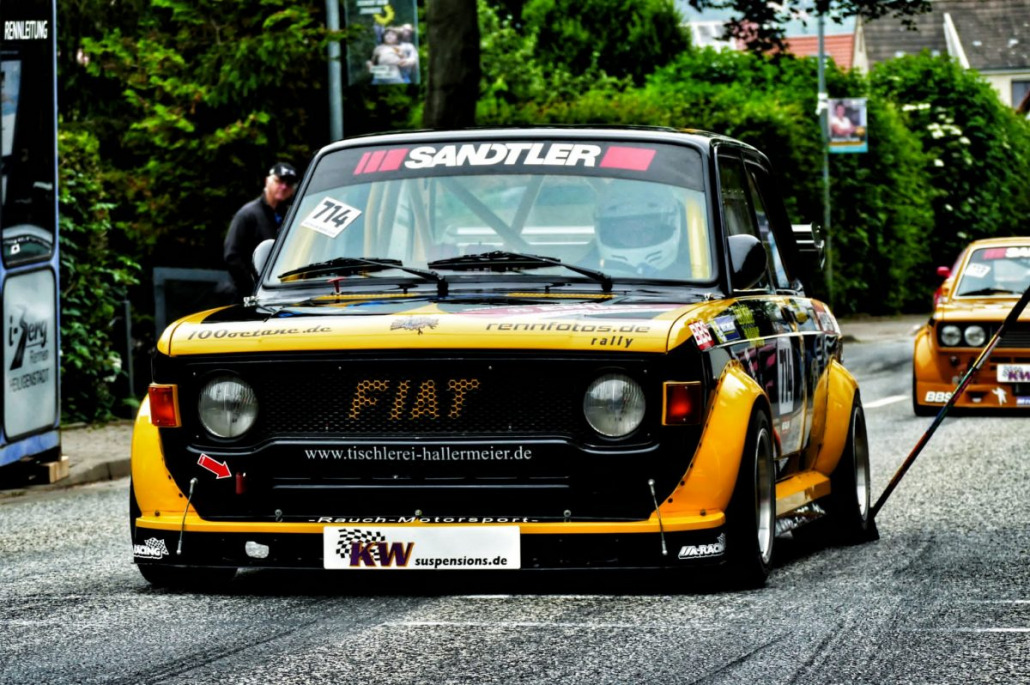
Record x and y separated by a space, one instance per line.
507 349
976 296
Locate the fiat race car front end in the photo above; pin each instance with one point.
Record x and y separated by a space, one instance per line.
498 350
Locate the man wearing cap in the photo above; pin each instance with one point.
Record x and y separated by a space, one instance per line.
257 221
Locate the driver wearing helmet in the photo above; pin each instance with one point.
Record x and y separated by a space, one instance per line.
639 227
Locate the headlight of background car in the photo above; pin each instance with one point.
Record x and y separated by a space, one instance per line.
975 336
951 335
614 405
228 406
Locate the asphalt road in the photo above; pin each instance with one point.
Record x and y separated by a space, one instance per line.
941 597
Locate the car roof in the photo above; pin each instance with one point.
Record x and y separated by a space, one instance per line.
1010 241
655 134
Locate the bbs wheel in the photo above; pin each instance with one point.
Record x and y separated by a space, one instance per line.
751 515
848 505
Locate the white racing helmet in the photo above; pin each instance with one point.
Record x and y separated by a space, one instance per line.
639 225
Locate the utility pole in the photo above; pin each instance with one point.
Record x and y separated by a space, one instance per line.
823 110
332 12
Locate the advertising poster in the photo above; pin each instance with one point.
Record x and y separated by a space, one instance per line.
848 125
30 353
385 51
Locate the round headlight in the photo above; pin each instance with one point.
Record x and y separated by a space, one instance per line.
951 336
975 336
614 405
228 407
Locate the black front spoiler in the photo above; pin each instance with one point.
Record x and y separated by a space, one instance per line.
538 552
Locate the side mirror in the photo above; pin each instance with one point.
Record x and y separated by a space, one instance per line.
747 259
260 256
811 242
943 271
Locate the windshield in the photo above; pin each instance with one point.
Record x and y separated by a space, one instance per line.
998 271
627 211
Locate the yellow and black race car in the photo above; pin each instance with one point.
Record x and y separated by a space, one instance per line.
507 349
969 307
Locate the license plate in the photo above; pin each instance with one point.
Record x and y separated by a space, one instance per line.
1014 373
412 548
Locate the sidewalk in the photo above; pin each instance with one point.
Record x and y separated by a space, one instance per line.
97 453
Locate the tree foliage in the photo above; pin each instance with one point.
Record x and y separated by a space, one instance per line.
581 37
94 281
977 149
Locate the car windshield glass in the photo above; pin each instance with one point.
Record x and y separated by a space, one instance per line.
624 211
996 271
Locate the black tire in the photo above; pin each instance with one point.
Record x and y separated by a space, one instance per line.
849 504
920 409
751 515
186 577
183 577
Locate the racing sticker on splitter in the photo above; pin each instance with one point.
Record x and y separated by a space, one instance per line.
152 548
330 217
421 549
715 549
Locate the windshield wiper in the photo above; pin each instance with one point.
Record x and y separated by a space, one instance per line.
988 291
345 266
499 260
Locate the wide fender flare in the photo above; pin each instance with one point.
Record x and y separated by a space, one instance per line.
841 390
712 476
924 360
156 491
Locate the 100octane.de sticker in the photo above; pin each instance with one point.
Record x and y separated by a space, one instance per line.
461 548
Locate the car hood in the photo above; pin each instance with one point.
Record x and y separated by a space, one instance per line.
579 324
978 309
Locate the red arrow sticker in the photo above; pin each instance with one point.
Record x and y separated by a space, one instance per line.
219 468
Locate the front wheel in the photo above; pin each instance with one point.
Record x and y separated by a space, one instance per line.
751 515
183 577
186 577
848 505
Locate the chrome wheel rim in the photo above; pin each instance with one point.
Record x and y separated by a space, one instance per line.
860 450
764 498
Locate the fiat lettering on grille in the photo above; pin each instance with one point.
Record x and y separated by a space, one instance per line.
413 399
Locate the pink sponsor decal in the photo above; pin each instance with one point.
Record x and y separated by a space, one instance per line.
632 158
390 160
393 159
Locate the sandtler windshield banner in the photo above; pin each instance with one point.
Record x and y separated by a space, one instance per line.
385 51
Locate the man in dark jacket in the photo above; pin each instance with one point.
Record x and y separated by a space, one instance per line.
256 221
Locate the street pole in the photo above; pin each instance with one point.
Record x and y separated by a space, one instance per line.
823 110
332 11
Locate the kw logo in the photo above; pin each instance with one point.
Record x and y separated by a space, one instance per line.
1016 375
380 554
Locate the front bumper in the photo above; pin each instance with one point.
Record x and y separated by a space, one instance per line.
573 545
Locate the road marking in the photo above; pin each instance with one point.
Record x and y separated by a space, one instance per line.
522 624
974 630
885 401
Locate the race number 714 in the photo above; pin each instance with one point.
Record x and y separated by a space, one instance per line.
330 217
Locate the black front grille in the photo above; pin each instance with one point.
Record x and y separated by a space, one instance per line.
435 397
414 399
336 436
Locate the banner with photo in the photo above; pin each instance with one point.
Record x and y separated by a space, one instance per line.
848 125
385 50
